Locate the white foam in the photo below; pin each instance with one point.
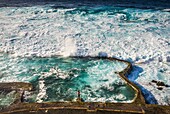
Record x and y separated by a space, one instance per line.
42 91
168 10
70 47
41 31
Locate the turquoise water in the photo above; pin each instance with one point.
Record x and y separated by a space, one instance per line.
139 34
7 98
59 79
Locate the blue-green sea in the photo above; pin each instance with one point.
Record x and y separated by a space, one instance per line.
59 79
37 38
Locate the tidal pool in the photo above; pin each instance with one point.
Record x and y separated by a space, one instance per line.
139 34
59 78
7 97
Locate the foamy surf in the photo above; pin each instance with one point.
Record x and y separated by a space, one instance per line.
138 35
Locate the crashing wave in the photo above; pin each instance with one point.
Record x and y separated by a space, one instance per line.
138 35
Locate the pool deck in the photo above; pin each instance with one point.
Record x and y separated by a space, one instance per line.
138 104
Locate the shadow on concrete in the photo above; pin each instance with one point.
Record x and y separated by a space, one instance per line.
136 70
149 97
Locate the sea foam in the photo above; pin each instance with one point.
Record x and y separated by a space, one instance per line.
138 35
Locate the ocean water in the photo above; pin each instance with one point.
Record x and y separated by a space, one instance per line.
7 98
59 79
139 34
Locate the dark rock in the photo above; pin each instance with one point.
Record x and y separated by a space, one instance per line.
160 83
159 88
160 59
154 81
168 59
167 85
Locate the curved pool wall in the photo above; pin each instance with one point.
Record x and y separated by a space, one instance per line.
140 35
59 79
136 106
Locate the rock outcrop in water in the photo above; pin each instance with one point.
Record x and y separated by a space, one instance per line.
160 84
